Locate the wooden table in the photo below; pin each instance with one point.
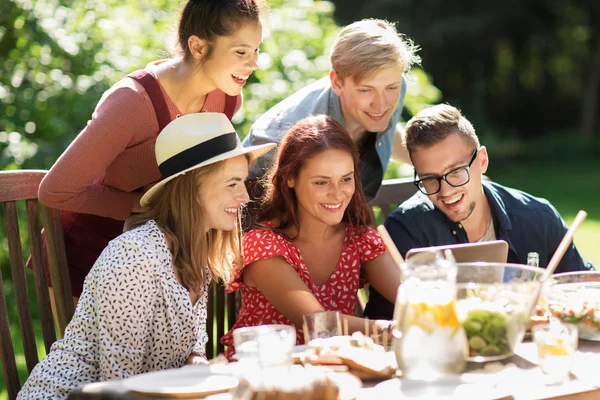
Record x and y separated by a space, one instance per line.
518 377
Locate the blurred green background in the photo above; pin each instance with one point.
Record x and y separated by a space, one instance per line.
526 73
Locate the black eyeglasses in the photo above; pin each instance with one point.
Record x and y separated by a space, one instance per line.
455 178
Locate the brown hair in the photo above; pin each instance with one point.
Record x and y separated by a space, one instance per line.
209 19
195 247
367 46
434 124
306 139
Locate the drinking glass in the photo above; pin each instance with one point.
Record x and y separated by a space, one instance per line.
265 346
556 344
322 325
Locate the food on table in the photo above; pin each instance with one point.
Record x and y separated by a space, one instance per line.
367 364
540 315
301 383
494 319
358 352
579 305
487 333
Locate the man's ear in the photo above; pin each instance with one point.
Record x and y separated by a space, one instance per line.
198 47
484 161
337 82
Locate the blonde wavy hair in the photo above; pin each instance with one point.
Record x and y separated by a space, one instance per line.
369 45
195 247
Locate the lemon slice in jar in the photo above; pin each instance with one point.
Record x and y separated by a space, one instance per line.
429 317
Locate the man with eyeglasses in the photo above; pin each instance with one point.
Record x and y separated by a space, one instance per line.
455 205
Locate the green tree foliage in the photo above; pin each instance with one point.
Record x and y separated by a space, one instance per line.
59 56
530 65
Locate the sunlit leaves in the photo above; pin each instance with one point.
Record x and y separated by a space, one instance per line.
57 57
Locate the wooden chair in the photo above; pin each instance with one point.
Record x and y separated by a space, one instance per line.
222 307
392 193
22 186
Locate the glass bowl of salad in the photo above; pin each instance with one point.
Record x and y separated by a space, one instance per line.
493 303
574 297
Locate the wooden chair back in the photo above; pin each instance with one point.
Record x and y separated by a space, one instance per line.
22 187
222 312
392 193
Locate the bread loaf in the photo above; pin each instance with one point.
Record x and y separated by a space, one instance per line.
295 384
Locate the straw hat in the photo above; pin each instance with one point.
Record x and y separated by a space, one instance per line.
193 141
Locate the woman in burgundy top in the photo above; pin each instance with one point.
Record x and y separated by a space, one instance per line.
99 180
316 247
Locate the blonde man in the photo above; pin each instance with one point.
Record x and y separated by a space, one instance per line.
364 92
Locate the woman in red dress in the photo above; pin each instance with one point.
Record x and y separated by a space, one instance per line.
315 247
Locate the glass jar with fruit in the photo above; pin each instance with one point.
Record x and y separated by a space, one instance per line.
429 340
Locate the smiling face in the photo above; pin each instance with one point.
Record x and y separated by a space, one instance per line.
457 203
224 193
234 58
368 104
325 186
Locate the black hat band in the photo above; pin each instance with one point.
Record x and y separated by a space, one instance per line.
198 154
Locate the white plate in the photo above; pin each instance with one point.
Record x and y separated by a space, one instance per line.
187 382
449 387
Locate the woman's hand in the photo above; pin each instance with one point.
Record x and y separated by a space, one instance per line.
196 359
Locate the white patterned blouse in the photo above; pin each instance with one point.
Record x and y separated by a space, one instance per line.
132 317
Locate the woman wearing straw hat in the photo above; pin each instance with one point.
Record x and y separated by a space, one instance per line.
218 44
144 303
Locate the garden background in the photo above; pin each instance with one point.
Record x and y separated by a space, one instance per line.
526 73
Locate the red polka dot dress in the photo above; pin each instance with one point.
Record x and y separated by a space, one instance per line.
338 293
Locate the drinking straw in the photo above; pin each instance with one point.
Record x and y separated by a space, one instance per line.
564 245
559 253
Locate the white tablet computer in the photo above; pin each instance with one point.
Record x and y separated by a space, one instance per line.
492 251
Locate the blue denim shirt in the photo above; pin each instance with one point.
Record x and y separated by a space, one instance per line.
319 98
526 223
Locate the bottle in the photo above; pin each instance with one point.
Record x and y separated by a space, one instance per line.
533 259
541 311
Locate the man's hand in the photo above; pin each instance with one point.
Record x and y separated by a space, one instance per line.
399 152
